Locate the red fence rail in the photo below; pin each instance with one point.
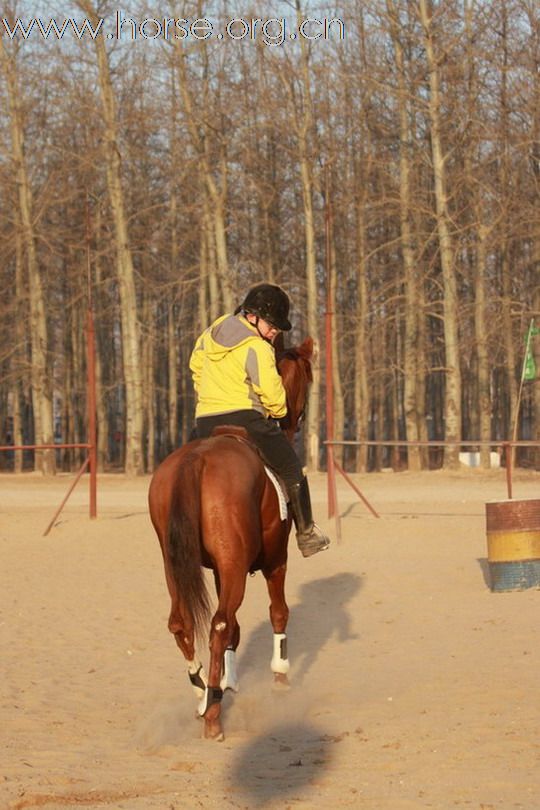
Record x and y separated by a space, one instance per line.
91 444
505 446
90 461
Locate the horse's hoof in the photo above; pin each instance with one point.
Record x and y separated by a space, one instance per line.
281 682
229 682
213 734
233 687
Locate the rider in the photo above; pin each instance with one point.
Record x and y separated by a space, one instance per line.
237 383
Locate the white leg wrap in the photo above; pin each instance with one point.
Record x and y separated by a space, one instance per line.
230 676
203 703
211 695
197 676
280 662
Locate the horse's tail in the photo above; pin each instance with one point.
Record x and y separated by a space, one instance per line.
184 541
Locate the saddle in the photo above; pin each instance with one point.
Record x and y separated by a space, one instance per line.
240 434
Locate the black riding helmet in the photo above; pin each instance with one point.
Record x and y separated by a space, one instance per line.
270 303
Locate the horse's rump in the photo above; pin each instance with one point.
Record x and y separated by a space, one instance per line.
208 514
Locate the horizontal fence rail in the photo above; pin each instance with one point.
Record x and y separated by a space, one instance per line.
89 462
44 446
421 443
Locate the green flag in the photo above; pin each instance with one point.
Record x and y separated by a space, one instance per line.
529 368
529 364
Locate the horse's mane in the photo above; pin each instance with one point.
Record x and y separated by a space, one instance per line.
303 353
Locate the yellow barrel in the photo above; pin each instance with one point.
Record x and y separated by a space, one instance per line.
513 540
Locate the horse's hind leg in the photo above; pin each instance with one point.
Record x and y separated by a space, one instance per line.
224 628
279 615
229 679
182 628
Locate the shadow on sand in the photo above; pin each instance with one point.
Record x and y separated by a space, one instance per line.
283 764
321 615
484 568
273 717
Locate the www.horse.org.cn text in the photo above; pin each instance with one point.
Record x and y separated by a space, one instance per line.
272 31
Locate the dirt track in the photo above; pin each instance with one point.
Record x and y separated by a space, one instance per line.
414 685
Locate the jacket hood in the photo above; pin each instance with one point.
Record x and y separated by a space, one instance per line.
227 333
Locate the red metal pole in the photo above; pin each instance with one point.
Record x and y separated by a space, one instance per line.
70 490
91 395
353 486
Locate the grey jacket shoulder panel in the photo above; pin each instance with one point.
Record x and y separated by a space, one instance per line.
231 332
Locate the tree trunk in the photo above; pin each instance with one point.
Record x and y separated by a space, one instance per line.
149 383
361 389
101 411
17 427
68 417
210 278
480 256
187 412
534 163
507 271
102 345
421 382
452 399
302 117
412 309
41 389
172 382
339 407
216 192
312 315
172 336
134 463
480 329
19 356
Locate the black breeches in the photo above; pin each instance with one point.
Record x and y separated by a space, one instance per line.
269 438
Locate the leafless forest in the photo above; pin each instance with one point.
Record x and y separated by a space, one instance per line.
157 177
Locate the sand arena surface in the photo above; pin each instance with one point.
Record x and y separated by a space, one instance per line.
413 685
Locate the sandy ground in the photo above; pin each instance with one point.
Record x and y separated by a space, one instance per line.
413 685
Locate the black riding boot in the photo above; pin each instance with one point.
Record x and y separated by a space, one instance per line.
309 537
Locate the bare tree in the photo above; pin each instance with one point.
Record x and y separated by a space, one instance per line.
452 405
413 311
134 463
41 389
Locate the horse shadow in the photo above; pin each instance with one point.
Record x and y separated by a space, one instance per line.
320 615
282 764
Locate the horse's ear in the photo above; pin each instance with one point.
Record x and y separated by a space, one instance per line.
306 349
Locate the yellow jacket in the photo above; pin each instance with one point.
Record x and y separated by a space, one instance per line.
234 369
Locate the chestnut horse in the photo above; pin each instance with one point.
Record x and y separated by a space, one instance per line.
213 506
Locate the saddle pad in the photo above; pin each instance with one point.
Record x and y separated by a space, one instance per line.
282 500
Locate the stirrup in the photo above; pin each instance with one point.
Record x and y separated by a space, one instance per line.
312 541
